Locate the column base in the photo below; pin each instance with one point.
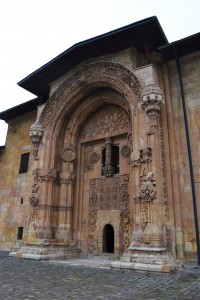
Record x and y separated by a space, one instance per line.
50 250
148 260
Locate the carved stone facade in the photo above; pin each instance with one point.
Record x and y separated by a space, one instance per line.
107 162
112 194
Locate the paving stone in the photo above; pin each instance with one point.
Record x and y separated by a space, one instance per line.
89 280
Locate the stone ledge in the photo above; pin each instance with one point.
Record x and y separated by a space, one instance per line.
143 267
43 256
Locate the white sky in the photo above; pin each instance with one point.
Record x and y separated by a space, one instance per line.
32 32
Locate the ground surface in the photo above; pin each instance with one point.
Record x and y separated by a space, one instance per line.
22 279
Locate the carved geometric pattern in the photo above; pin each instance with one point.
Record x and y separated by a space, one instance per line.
125 211
34 199
108 193
88 166
112 74
110 119
126 151
145 214
94 158
164 180
93 212
68 154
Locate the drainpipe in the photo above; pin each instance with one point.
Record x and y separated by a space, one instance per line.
189 153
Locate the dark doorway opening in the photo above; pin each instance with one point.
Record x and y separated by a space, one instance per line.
108 239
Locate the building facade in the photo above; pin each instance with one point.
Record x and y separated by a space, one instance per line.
98 162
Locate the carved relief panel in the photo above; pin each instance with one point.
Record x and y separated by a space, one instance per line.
104 159
109 194
110 120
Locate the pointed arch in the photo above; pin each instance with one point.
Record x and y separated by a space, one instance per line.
79 86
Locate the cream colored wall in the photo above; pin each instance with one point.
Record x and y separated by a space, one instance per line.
14 186
190 66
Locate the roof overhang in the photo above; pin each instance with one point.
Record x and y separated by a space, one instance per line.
19 110
190 44
144 35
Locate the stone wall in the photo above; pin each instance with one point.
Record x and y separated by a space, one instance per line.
184 216
14 187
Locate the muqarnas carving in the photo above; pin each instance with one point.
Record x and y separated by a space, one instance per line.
36 133
152 99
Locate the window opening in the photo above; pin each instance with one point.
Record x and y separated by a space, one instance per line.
110 159
24 163
103 161
115 159
20 233
22 200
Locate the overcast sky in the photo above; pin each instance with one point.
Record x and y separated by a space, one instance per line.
32 32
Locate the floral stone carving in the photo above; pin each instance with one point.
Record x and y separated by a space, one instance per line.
126 151
34 198
68 154
139 156
94 158
147 190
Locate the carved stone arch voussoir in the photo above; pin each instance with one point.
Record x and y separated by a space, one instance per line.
111 74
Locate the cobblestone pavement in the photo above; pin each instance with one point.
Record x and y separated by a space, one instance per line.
22 279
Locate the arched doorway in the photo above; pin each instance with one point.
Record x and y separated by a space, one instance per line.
108 239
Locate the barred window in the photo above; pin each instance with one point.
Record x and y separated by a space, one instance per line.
114 159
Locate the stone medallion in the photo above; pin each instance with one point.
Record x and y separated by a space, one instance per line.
68 154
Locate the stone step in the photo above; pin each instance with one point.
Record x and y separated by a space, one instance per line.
105 256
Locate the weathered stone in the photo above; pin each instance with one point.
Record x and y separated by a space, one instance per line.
108 169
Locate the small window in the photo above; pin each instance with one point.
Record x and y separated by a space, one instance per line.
20 233
24 163
114 159
103 160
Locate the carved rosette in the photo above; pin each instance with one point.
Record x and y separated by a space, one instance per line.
126 151
94 158
152 98
36 133
68 154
